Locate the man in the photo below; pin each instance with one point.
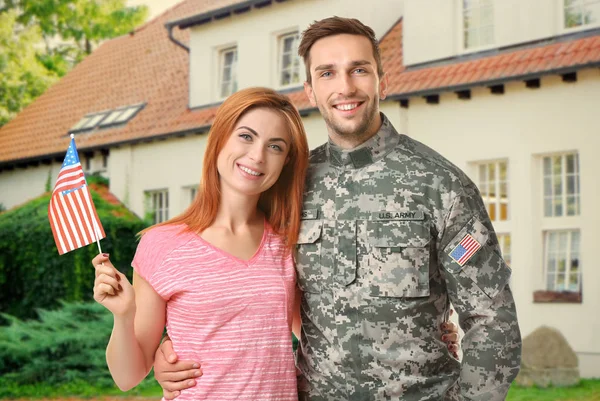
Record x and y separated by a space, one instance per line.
392 233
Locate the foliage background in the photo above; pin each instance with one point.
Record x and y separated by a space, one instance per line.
32 275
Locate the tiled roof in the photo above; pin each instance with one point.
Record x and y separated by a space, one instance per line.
147 67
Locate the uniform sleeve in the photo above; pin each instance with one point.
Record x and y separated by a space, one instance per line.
477 280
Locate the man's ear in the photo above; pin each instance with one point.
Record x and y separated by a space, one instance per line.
310 94
383 87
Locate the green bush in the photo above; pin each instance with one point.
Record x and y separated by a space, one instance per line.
62 348
33 275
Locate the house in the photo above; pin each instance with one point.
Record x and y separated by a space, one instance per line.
506 89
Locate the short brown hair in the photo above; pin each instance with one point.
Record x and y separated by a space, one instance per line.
336 26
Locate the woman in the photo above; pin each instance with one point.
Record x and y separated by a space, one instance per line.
221 275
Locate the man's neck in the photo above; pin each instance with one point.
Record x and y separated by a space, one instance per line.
349 142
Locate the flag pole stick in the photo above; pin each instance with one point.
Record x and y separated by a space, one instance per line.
96 231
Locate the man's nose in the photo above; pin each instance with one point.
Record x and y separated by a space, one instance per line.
347 86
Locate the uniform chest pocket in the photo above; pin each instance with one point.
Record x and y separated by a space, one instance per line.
398 258
308 256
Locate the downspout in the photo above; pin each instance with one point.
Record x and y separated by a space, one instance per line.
174 40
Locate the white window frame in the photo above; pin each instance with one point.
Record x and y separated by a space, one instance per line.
567 257
584 3
232 83
477 6
564 178
497 200
161 212
295 66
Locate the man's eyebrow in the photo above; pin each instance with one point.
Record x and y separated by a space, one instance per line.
354 63
256 134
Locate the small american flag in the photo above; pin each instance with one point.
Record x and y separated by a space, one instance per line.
71 212
465 249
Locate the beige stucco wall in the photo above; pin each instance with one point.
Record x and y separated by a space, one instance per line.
22 184
255 34
521 126
430 36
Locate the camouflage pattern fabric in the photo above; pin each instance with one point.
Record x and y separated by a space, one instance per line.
377 262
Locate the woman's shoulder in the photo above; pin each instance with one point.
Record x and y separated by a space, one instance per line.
165 234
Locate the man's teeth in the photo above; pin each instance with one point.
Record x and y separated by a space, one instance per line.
347 107
251 172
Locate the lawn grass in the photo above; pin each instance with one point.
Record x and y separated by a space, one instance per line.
587 389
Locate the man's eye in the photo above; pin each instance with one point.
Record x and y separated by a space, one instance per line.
326 74
360 71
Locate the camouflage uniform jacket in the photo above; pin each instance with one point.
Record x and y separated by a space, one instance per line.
386 243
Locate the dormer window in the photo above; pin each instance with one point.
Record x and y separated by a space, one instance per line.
228 72
478 23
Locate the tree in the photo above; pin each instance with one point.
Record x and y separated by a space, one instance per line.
51 37
24 76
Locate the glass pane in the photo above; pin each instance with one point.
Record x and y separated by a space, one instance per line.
570 163
471 38
111 117
166 195
285 78
571 206
570 184
503 211
573 282
492 172
557 185
492 211
547 166
572 17
468 18
560 282
558 207
126 115
286 61
503 171
226 74
550 282
547 186
557 165
503 191
575 242
287 44
562 242
591 13
547 207
486 35
228 58
487 15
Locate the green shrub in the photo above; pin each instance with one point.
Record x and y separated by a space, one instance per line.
33 275
62 348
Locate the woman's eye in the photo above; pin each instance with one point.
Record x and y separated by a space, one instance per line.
277 148
246 137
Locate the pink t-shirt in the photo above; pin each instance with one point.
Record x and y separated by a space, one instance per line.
234 317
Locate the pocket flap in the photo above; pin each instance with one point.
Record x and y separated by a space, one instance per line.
310 231
398 233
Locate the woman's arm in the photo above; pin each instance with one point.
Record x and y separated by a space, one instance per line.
139 320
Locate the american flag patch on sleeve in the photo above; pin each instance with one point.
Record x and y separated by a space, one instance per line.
465 249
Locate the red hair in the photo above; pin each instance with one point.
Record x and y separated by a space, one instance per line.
282 203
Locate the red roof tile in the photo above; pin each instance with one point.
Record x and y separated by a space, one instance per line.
147 67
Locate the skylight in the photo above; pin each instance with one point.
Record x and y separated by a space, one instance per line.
107 118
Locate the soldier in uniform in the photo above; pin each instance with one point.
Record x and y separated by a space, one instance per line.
392 233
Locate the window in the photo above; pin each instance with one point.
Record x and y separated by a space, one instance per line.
492 181
579 13
105 119
478 23
561 185
228 82
504 240
561 260
289 61
158 205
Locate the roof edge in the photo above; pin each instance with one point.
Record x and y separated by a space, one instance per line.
220 13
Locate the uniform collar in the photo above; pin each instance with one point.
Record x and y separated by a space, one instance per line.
375 148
